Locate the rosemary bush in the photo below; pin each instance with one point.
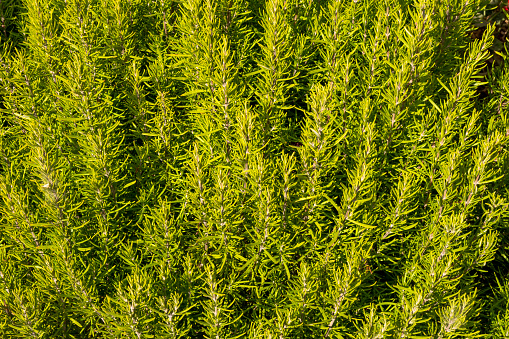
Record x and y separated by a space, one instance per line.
252 169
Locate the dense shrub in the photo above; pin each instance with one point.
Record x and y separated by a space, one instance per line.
237 168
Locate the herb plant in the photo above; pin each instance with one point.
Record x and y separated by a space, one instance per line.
252 169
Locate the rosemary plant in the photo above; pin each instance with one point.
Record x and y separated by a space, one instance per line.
252 169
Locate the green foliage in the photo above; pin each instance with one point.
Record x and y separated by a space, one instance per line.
247 169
